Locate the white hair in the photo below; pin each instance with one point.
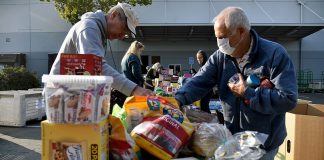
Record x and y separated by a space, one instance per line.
156 66
234 17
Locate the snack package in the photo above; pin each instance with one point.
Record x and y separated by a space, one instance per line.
68 151
54 103
208 137
80 64
162 130
87 109
121 145
137 106
120 113
71 105
77 99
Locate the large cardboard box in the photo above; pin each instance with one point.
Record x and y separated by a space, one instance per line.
305 133
93 139
80 64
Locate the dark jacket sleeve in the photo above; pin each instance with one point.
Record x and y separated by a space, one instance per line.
150 74
281 98
197 87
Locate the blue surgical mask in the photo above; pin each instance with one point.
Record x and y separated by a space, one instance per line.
224 46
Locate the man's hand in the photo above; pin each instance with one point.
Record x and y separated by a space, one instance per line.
139 91
238 88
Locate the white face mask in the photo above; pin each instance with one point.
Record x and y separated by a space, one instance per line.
224 46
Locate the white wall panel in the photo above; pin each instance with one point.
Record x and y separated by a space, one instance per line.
313 12
14 17
15 42
189 12
45 18
47 41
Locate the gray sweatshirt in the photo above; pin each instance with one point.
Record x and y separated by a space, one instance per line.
85 37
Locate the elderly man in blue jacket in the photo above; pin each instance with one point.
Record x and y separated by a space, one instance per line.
255 78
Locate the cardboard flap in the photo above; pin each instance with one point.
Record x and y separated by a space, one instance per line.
315 110
299 109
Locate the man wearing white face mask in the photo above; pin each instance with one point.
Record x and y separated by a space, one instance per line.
255 79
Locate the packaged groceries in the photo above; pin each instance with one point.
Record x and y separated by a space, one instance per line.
75 141
208 137
67 151
80 64
244 145
162 129
77 99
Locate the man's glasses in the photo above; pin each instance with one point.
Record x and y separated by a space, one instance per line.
128 33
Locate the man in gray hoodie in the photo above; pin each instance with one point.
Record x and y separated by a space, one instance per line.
88 36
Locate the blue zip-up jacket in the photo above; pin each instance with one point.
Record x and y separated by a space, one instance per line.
131 68
267 107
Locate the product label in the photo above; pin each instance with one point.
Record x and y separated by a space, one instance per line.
94 152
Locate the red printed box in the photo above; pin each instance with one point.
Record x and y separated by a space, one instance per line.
80 64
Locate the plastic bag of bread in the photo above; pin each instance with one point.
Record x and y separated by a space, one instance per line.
208 137
163 130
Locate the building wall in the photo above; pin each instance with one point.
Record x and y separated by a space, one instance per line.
35 28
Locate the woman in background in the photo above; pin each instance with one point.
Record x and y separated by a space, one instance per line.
204 102
131 63
152 73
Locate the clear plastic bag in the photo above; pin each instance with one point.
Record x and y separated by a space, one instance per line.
244 145
208 137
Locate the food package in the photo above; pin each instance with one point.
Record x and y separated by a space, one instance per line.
54 104
77 99
208 137
244 145
121 145
72 140
67 151
162 130
137 106
80 64
120 113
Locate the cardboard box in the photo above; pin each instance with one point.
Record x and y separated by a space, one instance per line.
92 137
305 133
80 64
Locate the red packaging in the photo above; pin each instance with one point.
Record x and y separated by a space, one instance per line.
80 64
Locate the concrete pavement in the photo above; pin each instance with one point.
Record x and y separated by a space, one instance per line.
21 143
